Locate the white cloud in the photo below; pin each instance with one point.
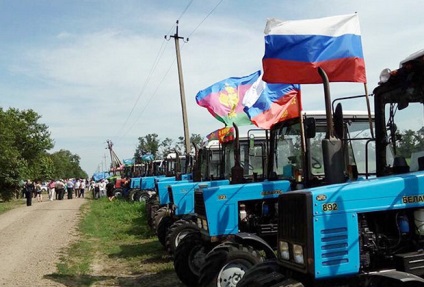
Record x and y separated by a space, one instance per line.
86 75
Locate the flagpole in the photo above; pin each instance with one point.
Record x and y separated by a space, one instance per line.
369 109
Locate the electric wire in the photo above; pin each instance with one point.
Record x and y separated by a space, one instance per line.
154 66
167 72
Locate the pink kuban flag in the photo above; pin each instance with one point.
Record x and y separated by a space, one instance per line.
224 99
295 49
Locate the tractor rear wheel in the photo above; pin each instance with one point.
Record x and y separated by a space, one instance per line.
227 263
152 205
177 231
189 257
163 228
141 196
158 215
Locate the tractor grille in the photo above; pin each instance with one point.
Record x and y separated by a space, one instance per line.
199 204
334 244
293 217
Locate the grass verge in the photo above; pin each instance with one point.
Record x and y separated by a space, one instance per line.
115 248
8 205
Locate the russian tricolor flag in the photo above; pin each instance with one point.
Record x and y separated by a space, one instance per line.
295 49
268 104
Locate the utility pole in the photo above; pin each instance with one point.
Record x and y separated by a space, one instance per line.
104 158
182 95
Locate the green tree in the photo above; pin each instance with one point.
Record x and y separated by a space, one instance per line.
409 142
194 139
23 141
66 165
147 144
167 146
24 145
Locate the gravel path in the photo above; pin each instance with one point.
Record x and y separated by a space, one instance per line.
31 238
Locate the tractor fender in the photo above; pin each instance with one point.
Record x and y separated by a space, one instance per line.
393 276
256 242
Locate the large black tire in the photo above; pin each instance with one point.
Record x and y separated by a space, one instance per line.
141 196
132 193
163 227
177 231
189 256
152 205
158 215
260 275
227 263
117 193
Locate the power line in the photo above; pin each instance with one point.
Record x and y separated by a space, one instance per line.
207 16
185 10
155 65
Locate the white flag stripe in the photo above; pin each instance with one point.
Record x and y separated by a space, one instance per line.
329 26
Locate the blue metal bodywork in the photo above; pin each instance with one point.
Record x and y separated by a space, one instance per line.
162 186
183 194
135 183
222 203
148 182
335 217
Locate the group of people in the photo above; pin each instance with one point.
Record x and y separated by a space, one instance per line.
103 188
56 189
73 188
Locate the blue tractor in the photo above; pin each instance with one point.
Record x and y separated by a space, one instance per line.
367 232
176 169
223 212
213 164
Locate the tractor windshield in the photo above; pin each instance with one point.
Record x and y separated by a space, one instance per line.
405 131
288 155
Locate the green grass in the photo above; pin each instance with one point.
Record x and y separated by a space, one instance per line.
8 205
116 247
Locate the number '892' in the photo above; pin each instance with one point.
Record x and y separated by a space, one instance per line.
329 206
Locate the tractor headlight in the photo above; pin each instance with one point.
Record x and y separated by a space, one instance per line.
385 76
298 254
284 250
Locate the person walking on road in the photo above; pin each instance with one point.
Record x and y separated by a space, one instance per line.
60 189
29 189
77 188
102 187
96 190
110 186
52 186
82 187
39 192
70 188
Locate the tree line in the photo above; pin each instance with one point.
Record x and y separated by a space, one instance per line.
24 146
151 143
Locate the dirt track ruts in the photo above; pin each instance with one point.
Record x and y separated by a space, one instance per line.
31 238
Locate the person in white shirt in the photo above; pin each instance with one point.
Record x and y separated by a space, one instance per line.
77 188
82 188
102 187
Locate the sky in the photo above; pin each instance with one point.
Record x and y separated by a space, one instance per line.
103 70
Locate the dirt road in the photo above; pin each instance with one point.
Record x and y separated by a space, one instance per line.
31 238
